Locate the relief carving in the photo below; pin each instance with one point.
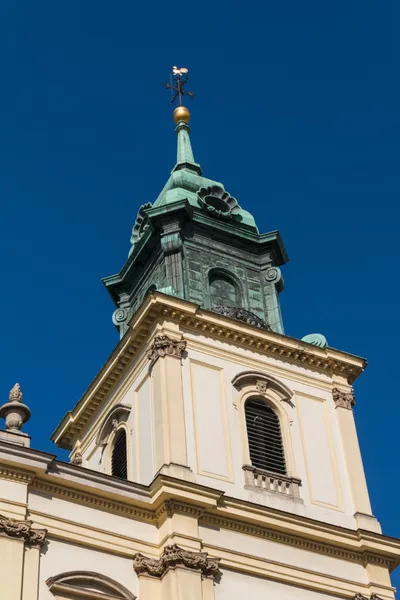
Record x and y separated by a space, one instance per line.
261 386
23 530
174 556
343 399
165 346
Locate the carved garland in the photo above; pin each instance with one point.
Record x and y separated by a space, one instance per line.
343 399
36 538
165 346
174 556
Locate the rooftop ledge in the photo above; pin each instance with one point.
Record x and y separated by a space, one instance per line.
154 309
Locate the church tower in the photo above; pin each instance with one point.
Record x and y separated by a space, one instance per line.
213 457
197 243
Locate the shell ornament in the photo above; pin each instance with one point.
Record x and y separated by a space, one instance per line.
218 202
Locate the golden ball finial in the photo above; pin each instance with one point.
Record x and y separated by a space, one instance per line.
181 114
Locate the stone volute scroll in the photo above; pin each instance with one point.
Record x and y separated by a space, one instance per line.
172 557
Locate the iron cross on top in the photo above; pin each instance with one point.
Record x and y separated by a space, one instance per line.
178 80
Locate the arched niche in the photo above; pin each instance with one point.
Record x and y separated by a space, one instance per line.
224 288
87 585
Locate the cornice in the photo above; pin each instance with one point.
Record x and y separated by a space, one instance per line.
297 541
14 474
95 501
159 306
166 496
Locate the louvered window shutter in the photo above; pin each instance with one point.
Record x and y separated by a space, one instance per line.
118 459
265 437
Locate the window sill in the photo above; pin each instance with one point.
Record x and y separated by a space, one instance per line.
283 485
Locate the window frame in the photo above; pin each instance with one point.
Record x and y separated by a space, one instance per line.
279 397
279 431
110 449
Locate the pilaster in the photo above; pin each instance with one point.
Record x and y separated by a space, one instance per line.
344 401
165 354
19 558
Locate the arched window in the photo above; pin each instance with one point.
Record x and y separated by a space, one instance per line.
119 455
264 437
223 290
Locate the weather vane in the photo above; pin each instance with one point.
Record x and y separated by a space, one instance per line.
178 80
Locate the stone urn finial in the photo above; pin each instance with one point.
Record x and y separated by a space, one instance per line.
14 411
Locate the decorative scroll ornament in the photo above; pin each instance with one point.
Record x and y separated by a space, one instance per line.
141 224
218 202
119 316
23 530
165 346
360 597
315 339
343 399
15 412
174 556
274 275
240 314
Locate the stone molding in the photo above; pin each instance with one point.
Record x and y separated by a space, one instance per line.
88 499
87 584
171 507
343 399
173 556
362 556
362 597
163 346
297 541
23 530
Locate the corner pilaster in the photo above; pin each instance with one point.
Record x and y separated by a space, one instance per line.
20 546
165 355
344 401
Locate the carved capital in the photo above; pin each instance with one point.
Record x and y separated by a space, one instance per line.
173 556
343 399
23 530
165 346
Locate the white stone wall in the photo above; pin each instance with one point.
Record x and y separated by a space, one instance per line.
214 438
236 586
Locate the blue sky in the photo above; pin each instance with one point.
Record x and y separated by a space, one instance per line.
297 112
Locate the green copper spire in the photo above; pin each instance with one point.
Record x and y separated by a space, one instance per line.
184 157
196 242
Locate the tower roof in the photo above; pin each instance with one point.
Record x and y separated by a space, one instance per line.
196 242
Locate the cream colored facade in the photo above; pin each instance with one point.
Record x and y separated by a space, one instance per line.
194 521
